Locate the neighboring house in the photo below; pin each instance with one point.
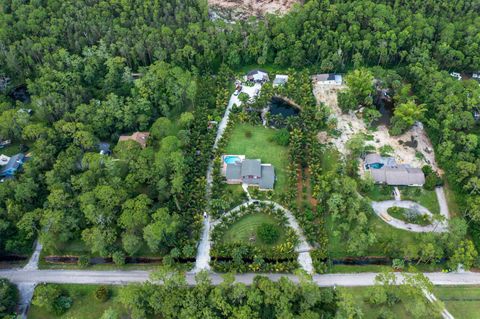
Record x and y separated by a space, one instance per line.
280 80
328 78
239 170
385 170
258 76
13 164
4 143
104 148
139 137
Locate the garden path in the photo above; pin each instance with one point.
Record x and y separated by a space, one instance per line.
442 202
381 208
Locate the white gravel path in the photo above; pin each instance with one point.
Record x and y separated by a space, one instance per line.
442 202
203 250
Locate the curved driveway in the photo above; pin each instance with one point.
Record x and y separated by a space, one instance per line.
381 209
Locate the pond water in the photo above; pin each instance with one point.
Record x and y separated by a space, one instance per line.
282 107
20 94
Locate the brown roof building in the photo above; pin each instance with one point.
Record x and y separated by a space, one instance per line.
139 137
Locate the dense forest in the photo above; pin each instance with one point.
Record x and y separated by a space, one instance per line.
97 69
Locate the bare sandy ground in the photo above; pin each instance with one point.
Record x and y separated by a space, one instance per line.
352 123
254 7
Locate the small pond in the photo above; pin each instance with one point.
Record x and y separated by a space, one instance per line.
20 94
281 107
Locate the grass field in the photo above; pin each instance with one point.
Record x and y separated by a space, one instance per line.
380 193
85 305
426 198
245 228
260 145
372 311
461 302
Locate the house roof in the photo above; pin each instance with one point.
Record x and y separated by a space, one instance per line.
251 167
280 79
139 137
4 159
328 77
268 177
257 75
233 171
103 146
398 175
13 164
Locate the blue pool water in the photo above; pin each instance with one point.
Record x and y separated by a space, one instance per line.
231 159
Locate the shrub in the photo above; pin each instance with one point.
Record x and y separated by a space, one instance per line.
268 233
118 258
8 297
62 304
398 264
52 299
248 134
282 137
102 294
83 261
386 150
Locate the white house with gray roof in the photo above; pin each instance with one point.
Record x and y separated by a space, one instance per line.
239 170
385 170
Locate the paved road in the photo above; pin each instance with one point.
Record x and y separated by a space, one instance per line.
381 208
117 277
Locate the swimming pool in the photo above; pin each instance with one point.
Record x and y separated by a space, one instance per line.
231 159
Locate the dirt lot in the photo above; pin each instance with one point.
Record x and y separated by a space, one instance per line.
406 145
243 8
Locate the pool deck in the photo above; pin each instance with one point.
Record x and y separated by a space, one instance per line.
224 164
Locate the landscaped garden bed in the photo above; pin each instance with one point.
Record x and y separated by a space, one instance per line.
254 238
409 216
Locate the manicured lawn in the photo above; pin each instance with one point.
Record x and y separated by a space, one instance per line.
452 200
245 229
380 193
426 198
461 302
373 311
260 146
85 305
